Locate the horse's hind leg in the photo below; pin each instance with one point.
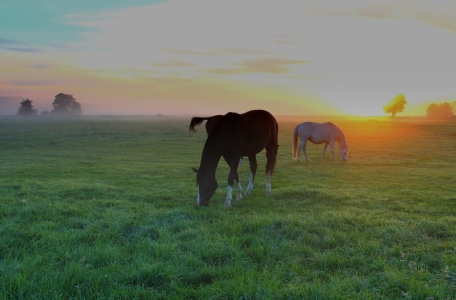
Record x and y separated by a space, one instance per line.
302 146
253 168
324 151
271 155
268 184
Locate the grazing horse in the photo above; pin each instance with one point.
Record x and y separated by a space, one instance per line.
319 133
233 136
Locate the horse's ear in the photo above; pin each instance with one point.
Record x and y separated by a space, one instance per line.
195 170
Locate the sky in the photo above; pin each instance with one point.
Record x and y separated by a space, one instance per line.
204 57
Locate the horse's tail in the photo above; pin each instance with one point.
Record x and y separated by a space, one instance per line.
295 142
272 149
195 122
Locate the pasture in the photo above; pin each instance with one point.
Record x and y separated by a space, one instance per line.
105 208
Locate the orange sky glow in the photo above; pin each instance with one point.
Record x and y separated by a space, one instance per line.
206 57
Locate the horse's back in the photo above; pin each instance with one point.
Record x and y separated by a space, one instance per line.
260 121
262 130
318 132
230 124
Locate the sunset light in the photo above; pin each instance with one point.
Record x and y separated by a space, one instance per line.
209 57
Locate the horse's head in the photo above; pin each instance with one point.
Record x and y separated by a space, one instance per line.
344 153
206 187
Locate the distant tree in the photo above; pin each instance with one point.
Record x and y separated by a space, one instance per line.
66 105
396 105
44 113
26 108
439 111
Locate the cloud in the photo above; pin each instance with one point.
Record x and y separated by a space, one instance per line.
168 81
260 65
25 49
173 63
182 51
31 83
225 51
62 47
42 66
10 42
439 13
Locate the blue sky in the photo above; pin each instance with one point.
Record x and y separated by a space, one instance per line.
213 56
26 25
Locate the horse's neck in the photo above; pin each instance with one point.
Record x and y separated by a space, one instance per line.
341 140
210 158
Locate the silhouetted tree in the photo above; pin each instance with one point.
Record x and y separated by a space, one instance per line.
66 104
396 105
26 108
439 110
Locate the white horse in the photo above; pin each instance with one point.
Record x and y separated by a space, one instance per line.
319 133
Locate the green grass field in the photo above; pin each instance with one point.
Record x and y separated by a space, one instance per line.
105 208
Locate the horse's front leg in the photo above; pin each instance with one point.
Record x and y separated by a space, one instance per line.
324 151
253 168
228 196
233 177
331 144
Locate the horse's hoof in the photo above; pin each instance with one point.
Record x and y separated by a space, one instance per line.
238 198
268 194
247 193
226 205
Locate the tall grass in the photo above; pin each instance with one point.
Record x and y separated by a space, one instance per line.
99 208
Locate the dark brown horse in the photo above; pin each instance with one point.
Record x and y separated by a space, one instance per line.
233 136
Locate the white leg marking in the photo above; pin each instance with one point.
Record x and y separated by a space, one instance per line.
240 162
268 184
250 186
228 197
239 191
198 198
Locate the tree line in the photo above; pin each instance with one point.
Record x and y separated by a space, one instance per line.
64 104
433 111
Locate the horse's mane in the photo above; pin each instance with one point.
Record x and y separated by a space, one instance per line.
341 135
